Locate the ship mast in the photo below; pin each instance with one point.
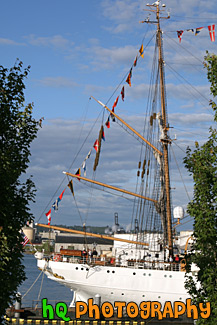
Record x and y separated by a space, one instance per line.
165 140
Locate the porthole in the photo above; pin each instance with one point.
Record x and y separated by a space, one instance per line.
149 274
113 271
76 268
134 273
143 296
144 273
170 276
112 293
159 296
108 271
122 294
180 298
82 268
165 275
87 269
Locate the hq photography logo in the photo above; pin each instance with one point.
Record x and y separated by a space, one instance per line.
144 310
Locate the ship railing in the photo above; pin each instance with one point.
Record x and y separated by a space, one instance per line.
155 265
133 263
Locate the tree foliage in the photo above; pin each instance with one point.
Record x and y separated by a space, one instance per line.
17 130
202 164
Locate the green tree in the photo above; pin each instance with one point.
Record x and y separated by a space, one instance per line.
202 164
17 130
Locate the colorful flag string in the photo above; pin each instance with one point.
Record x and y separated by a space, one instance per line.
128 81
196 31
55 205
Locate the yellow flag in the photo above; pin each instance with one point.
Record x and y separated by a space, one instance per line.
141 51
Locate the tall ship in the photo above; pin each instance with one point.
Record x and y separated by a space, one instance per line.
147 265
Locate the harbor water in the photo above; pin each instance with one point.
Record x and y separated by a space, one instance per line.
43 288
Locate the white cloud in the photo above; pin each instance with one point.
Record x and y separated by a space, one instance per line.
95 89
190 8
57 41
108 58
182 91
6 41
191 119
58 82
122 13
125 15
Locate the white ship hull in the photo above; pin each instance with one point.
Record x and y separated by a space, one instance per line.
117 283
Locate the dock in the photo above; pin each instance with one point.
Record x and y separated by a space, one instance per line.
34 316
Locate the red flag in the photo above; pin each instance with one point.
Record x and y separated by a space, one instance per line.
122 93
78 173
115 103
107 123
212 32
48 215
61 195
135 62
179 33
128 80
96 145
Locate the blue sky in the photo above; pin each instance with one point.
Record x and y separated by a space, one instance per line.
81 48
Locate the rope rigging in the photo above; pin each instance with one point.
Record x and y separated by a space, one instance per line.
32 284
143 211
63 180
180 174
